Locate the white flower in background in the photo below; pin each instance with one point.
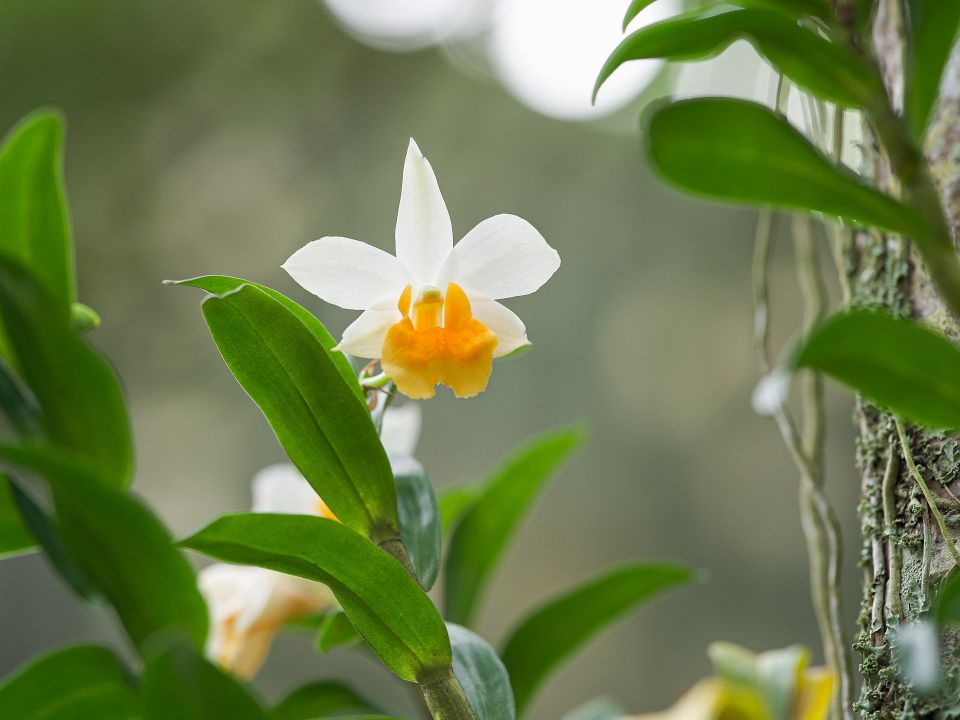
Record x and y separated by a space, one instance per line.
249 605
431 313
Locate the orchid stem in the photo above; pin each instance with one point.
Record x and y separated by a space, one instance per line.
375 382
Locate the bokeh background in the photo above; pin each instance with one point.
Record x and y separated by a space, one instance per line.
221 136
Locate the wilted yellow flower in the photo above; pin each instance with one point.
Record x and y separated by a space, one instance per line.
775 685
430 314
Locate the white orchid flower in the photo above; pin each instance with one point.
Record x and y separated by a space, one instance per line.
249 605
430 314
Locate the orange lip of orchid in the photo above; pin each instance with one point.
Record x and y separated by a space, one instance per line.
438 341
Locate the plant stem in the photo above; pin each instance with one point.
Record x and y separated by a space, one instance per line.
394 547
918 477
445 697
919 189
375 381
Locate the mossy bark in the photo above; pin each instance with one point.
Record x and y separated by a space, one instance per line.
903 555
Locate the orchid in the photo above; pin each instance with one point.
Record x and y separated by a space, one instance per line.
430 314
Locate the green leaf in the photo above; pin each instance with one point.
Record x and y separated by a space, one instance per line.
320 700
121 546
742 152
908 368
74 683
81 402
481 674
44 531
33 209
15 536
541 642
597 709
336 631
18 403
327 434
388 609
179 683
419 518
83 318
223 284
931 34
481 537
454 501
810 60
946 606
795 8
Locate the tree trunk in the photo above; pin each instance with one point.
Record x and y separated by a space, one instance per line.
903 554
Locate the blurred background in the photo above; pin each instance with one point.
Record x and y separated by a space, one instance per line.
219 137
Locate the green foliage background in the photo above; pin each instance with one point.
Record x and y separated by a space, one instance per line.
220 136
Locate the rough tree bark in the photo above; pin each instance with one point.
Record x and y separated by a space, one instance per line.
903 554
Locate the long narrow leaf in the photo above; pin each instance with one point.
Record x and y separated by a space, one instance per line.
793 8
74 683
897 363
44 531
482 535
419 518
327 434
319 700
388 609
180 683
540 643
81 403
223 284
15 536
122 547
931 34
813 62
742 152
482 675
33 210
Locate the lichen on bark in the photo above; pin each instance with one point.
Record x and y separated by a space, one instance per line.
903 555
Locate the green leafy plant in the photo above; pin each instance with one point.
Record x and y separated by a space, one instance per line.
370 530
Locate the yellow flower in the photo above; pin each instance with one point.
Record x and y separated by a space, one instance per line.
775 685
430 314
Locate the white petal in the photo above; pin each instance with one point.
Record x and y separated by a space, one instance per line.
281 488
424 234
503 322
364 336
347 273
247 606
504 256
400 430
230 589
